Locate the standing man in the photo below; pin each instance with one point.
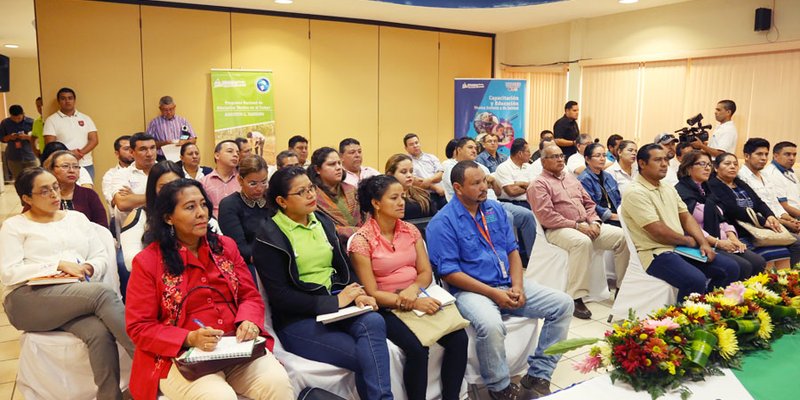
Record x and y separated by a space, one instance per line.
566 130
428 170
299 145
222 181
756 155
723 139
15 132
73 128
170 129
489 157
472 245
515 174
780 174
350 151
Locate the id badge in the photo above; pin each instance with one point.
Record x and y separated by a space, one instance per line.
503 268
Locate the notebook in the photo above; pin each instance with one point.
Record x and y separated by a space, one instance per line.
691 252
343 313
52 280
227 347
438 293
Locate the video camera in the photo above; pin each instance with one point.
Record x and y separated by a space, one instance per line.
695 131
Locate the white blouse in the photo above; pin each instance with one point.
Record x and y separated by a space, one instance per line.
622 177
31 249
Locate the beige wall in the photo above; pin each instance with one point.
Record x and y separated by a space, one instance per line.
24 86
332 79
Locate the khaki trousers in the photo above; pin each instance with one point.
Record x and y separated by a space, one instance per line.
581 248
261 379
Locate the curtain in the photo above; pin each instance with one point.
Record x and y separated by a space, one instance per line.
547 95
610 97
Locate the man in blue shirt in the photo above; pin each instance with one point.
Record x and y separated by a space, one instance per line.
490 157
15 131
473 248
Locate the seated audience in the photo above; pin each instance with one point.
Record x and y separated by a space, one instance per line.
299 145
612 144
567 214
490 157
128 186
302 266
350 151
15 132
576 163
84 179
243 212
668 141
781 175
474 250
600 185
536 166
46 241
335 198
756 155
223 180
427 169
286 158
449 152
735 197
693 188
131 237
624 170
190 162
64 166
658 220
544 136
188 287
391 261
124 155
514 174
245 148
682 148
418 203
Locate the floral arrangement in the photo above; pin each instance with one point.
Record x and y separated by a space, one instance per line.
688 342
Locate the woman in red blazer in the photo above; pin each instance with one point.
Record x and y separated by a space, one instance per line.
187 288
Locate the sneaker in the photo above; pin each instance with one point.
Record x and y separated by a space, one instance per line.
540 387
581 311
511 392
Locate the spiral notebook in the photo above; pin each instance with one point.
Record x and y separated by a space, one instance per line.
227 347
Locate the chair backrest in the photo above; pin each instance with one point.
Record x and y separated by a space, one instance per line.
634 257
421 224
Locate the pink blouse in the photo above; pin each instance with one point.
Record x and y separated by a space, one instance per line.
394 264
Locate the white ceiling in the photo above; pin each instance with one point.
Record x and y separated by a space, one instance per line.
17 16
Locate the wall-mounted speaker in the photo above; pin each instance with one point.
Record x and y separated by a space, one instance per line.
5 75
763 19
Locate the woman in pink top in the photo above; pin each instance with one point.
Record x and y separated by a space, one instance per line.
391 262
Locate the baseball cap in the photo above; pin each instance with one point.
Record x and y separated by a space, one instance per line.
665 138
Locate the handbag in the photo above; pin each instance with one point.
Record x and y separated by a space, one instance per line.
764 236
194 370
430 328
315 393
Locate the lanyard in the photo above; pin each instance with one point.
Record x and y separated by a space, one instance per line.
484 230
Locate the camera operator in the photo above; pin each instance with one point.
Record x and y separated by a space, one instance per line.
723 139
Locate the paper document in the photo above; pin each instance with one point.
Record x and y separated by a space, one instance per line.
343 313
437 292
227 347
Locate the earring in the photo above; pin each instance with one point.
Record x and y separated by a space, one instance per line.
172 231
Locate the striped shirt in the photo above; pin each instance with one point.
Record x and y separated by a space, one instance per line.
168 130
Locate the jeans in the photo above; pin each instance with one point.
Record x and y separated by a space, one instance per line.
553 306
415 372
689 276
749 263
90 311
525 223
357 344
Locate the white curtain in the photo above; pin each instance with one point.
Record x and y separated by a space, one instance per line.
547 95
610 101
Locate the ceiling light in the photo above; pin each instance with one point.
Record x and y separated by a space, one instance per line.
11 46
284 1
628 1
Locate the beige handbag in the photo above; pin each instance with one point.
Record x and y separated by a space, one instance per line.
431 328
764 236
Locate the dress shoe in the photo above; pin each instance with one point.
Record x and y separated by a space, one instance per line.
581 312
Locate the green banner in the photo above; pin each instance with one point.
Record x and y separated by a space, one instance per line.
244 106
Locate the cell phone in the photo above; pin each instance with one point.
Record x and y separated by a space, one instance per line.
184 135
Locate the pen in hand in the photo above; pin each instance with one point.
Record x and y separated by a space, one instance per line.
201 325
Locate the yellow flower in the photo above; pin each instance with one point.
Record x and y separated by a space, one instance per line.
660 330
765 330
761 278
647 362
668 366
643 336
728 345
677 339
749 294
696 310
681 320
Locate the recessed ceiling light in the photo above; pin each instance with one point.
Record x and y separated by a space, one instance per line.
628 1
11 46
284 1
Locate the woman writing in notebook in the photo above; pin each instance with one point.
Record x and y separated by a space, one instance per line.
306 273
390 259
188 287
43 241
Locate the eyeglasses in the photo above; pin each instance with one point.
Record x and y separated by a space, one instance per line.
554 157
48 191
68 167
255 184
702 164
303 192
598 155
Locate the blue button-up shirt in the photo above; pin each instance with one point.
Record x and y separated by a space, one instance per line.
456 245
490 162
591 183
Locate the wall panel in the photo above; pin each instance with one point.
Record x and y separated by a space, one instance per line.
408 88
179 47
344 85
281 45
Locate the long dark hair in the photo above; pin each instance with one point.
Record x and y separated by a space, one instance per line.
373 188
317 159
159 231
281 182
156 172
